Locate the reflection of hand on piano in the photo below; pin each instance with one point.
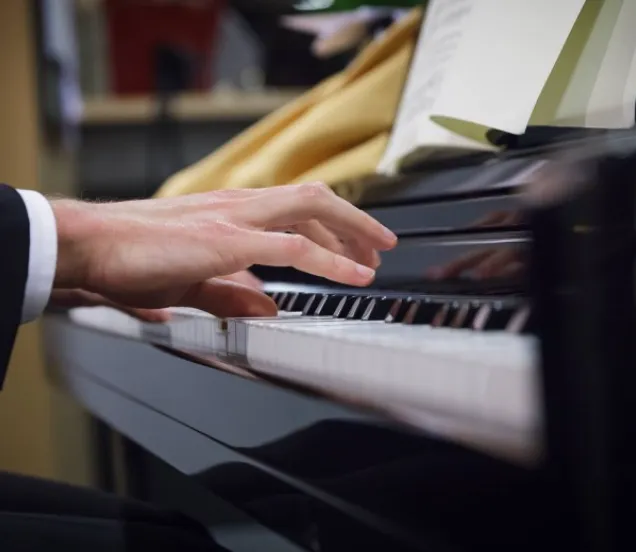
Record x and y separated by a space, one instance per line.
496 262
499 219
492 262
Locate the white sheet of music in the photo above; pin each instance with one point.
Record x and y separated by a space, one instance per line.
506 55
630 91
478 61
442 30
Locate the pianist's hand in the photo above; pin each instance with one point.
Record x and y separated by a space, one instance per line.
246 278
71 298
158 253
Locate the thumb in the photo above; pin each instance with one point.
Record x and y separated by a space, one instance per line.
225 299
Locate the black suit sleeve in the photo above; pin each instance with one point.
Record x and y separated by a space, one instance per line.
14 255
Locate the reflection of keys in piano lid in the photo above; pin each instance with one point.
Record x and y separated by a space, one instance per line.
469 358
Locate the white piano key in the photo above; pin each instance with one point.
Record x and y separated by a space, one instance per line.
484 375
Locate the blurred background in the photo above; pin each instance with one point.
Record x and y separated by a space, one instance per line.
104 99
110 68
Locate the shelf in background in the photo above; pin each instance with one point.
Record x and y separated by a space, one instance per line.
192 107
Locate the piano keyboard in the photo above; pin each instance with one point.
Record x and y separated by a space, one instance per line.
472 360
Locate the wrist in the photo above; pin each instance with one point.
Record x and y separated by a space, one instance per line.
76 225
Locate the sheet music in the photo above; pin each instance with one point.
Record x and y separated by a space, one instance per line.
630 91
504 60
478 65
442 30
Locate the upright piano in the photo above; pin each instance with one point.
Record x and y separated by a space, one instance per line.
479 396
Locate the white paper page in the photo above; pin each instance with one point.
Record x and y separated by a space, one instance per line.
629 96
613 97
443 27
505 56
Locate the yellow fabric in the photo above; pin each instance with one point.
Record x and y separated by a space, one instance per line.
336 131
342 170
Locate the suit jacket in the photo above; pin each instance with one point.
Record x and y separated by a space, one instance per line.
14 252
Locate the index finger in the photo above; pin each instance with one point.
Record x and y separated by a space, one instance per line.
291 205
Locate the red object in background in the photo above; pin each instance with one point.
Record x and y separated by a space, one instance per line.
137 27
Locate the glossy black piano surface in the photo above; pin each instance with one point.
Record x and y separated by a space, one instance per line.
329 476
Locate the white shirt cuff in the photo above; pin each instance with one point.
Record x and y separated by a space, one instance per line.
42 254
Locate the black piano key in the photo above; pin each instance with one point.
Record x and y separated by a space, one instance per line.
425 312
481 317
531 323
377 309
343 307
321 303
357 308
459 314
398 310
298 301
499 317
281 299
454 315
442 316
411 311
289 303
394 310
371 305
468 318
520 320
311 304
328 305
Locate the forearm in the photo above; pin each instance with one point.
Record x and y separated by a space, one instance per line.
77 223
58 232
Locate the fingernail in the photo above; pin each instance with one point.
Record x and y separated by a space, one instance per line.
389 234
364 271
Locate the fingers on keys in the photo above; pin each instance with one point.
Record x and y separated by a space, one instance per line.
225 298
317 233
297 251
292 205
324 237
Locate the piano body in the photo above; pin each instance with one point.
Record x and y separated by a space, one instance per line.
478 396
